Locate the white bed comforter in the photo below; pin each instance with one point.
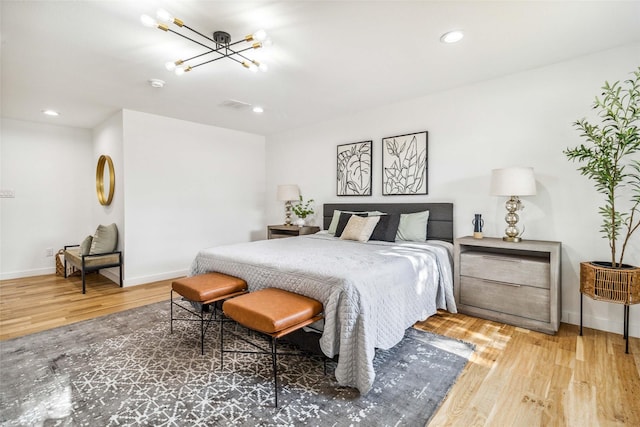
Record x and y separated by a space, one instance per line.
371 292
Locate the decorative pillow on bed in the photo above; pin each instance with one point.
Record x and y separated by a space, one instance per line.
344 219
413 227
336 217
85 246
105 240
359 228
334 222
386 228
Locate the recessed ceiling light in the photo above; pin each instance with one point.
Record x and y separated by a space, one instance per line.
258 109
50 113
452 36
157 83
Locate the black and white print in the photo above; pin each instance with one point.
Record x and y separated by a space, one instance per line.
404 164
354 169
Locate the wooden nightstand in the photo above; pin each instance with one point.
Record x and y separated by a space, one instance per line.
515 283
280 231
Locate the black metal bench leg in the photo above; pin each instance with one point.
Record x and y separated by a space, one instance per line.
171 307
274 356
221 344
202 329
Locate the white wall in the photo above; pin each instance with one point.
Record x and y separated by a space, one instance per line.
519 120
108 140
180 187
49 167
187 186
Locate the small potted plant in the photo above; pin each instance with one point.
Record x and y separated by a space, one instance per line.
302 209
610 159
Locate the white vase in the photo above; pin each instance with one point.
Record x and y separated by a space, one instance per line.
300 222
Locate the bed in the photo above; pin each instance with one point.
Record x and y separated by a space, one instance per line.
371 291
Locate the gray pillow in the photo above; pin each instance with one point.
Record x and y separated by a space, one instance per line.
105 240
85 246
413 227
387 228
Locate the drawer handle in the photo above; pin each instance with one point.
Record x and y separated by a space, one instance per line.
513 285
497 258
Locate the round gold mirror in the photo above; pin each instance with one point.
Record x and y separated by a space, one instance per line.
101 178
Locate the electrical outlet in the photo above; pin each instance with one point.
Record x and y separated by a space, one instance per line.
48 252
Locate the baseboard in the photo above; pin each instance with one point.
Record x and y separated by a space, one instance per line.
155 277
27 273
110 273
604 324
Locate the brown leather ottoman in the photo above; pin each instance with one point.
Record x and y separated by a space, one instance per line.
274 312
205 289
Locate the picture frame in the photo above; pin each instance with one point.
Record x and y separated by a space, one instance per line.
404 164
353 169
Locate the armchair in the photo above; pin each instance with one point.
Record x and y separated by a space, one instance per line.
95 253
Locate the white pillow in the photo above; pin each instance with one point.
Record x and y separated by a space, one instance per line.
413 227
334 222
359 228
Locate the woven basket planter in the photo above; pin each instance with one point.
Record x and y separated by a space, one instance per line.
619 285
71 270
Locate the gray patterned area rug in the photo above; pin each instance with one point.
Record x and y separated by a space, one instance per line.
127 369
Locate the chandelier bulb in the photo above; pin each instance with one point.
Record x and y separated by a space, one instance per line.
260 35
148 21
171 65
181 70
260 66
250 66
164 16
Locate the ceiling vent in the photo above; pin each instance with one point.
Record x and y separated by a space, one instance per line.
235 104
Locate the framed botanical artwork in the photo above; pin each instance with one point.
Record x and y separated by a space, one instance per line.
404 164
354 169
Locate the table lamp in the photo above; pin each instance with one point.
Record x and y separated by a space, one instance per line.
287 193
513 182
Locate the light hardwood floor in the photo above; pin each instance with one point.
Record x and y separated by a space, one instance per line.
43 302
516 377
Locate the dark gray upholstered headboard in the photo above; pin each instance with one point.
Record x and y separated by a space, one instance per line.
440 225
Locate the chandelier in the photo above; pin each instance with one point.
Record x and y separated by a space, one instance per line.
220 44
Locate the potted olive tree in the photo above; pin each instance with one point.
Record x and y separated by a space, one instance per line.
611 159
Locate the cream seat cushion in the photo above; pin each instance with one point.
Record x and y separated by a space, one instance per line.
72 255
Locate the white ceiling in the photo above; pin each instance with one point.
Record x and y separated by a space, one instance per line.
89 59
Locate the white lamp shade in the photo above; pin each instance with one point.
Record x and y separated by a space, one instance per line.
515 181
288 192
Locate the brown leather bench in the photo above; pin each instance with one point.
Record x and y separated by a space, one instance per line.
203 290
274 312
